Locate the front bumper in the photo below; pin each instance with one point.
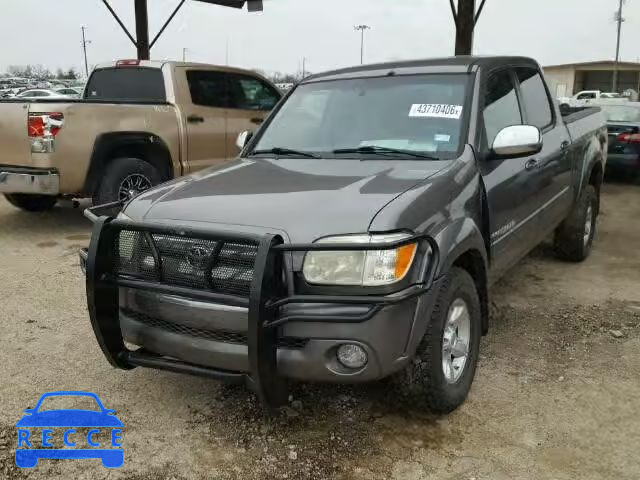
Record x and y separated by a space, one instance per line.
270 337
212 335
29 180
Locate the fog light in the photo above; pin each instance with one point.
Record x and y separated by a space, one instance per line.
352 356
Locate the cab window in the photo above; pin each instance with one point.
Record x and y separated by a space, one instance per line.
501 108
249 93
535 100
208 88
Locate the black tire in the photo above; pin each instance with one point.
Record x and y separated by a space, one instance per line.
571 241
117 171
422 383
31 203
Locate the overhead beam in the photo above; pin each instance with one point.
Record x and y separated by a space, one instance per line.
141 42
167 23
477 17
119 22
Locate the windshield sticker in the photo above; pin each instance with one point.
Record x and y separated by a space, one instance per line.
442 138
435 110
403 144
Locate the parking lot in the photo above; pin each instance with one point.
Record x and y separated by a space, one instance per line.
556 394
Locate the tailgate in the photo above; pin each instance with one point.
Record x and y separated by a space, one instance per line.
16 149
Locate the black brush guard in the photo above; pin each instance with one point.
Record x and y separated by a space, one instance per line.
263 305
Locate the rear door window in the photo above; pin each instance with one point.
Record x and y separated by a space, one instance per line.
208 88
535 100
501 108
127 84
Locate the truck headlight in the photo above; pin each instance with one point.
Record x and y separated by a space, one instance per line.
360 267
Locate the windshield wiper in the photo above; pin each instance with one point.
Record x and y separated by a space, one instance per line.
378 150
285 151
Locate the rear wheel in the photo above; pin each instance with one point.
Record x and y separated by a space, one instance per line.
439 377
124 179
31 203
574 237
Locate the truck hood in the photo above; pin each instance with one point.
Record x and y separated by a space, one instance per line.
306 198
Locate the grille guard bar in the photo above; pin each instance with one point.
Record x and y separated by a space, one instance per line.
263 305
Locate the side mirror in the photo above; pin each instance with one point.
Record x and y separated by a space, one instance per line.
243 138
517 141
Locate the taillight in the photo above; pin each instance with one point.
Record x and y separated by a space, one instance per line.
35 126
629 137
42 129
44 124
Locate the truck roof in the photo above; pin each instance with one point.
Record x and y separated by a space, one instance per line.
161 63
459 64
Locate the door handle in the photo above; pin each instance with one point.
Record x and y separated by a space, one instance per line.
195 119
531 164
564 145
257 121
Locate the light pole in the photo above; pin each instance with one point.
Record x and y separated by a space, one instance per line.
184 54
618 17
85 42
362 28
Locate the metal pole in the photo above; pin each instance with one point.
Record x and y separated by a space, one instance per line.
304 65
465 23
184 54
84 47
142 29
362 28
616 65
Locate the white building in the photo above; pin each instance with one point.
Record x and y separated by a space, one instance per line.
566 80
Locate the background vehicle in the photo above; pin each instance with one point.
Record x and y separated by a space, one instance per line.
623 123
40 93
140 123
357 235
587 97
69 91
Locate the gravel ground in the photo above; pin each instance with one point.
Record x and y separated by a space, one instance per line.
556 395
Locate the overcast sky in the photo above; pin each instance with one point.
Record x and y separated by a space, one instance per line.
553 31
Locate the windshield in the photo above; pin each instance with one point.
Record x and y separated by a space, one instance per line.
621 113
417 113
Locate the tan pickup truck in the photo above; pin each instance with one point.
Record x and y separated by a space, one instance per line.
139 124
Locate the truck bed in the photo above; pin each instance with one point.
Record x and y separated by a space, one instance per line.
581 121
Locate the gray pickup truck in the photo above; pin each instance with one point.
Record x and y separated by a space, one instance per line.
356 236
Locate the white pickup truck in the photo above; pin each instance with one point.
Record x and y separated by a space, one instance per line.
586 97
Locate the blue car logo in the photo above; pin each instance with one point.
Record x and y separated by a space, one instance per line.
32 447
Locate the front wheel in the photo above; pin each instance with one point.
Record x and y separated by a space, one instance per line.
574 237
31 203
440 376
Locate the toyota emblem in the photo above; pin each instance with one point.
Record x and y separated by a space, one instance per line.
197 256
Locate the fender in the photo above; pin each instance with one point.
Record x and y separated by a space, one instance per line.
144 145
457 238
593 158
